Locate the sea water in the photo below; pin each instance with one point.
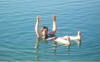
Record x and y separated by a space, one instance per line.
18 37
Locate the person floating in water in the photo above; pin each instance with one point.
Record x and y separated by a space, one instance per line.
61 40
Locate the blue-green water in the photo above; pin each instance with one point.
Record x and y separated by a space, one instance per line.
18 38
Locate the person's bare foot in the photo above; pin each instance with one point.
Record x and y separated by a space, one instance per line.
79 35
69 42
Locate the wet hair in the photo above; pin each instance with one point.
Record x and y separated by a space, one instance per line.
44 27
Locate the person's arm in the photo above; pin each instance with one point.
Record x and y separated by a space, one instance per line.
54 25
37 26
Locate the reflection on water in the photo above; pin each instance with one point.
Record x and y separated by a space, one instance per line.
54 46
78 42
37 55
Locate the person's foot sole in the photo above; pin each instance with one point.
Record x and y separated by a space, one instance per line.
79 35
69 42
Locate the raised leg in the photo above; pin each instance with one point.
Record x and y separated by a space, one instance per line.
78 37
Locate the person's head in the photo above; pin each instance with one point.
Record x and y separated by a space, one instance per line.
44 31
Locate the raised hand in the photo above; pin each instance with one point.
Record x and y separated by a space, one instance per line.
38 19
54 18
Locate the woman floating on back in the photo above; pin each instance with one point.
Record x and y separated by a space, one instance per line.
47 36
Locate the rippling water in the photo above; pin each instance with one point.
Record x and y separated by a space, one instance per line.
18 38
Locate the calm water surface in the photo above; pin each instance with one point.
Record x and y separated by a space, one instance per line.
18 38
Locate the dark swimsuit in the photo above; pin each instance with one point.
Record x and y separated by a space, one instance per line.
49 36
